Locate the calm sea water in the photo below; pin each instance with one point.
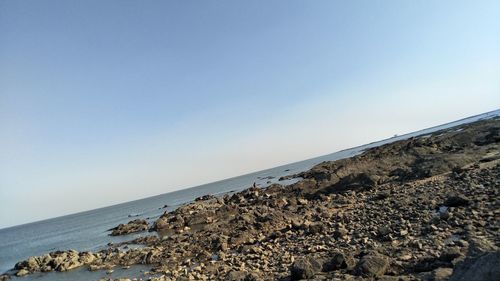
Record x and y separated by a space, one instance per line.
87 231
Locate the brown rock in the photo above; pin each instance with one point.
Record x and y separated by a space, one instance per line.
373 265
339 260
305 268
130 227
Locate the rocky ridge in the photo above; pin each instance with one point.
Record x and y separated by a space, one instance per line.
426 208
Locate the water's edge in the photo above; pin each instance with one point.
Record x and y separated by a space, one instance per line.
87 231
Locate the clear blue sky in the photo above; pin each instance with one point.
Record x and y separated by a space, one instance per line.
103 102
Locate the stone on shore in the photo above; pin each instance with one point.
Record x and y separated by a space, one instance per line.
373 265
425 208
130 227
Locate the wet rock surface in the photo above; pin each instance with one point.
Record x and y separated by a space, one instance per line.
426 208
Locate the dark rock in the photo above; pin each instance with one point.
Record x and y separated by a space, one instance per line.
485 267
360 181
305 268
450 254
339 260
316 228
456 201
130 227
340 232
429 264
319 174
382 195
373 265
205 197
383 231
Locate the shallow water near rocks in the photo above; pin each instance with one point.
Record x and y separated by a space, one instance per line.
88 231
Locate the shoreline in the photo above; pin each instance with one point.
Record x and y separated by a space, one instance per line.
312 221
432 129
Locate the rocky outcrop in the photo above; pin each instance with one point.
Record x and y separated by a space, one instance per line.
419 209
55 261
106 259
130 227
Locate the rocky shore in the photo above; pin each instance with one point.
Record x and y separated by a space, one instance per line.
137 225
426 208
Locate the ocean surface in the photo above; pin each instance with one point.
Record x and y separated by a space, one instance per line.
88 231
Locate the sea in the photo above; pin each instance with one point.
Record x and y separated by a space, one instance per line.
89 230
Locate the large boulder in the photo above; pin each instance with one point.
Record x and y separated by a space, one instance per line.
485 267
305 268
373 265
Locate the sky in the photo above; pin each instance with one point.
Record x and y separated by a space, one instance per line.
103 102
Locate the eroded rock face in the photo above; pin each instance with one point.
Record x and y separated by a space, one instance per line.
419 209
130 227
